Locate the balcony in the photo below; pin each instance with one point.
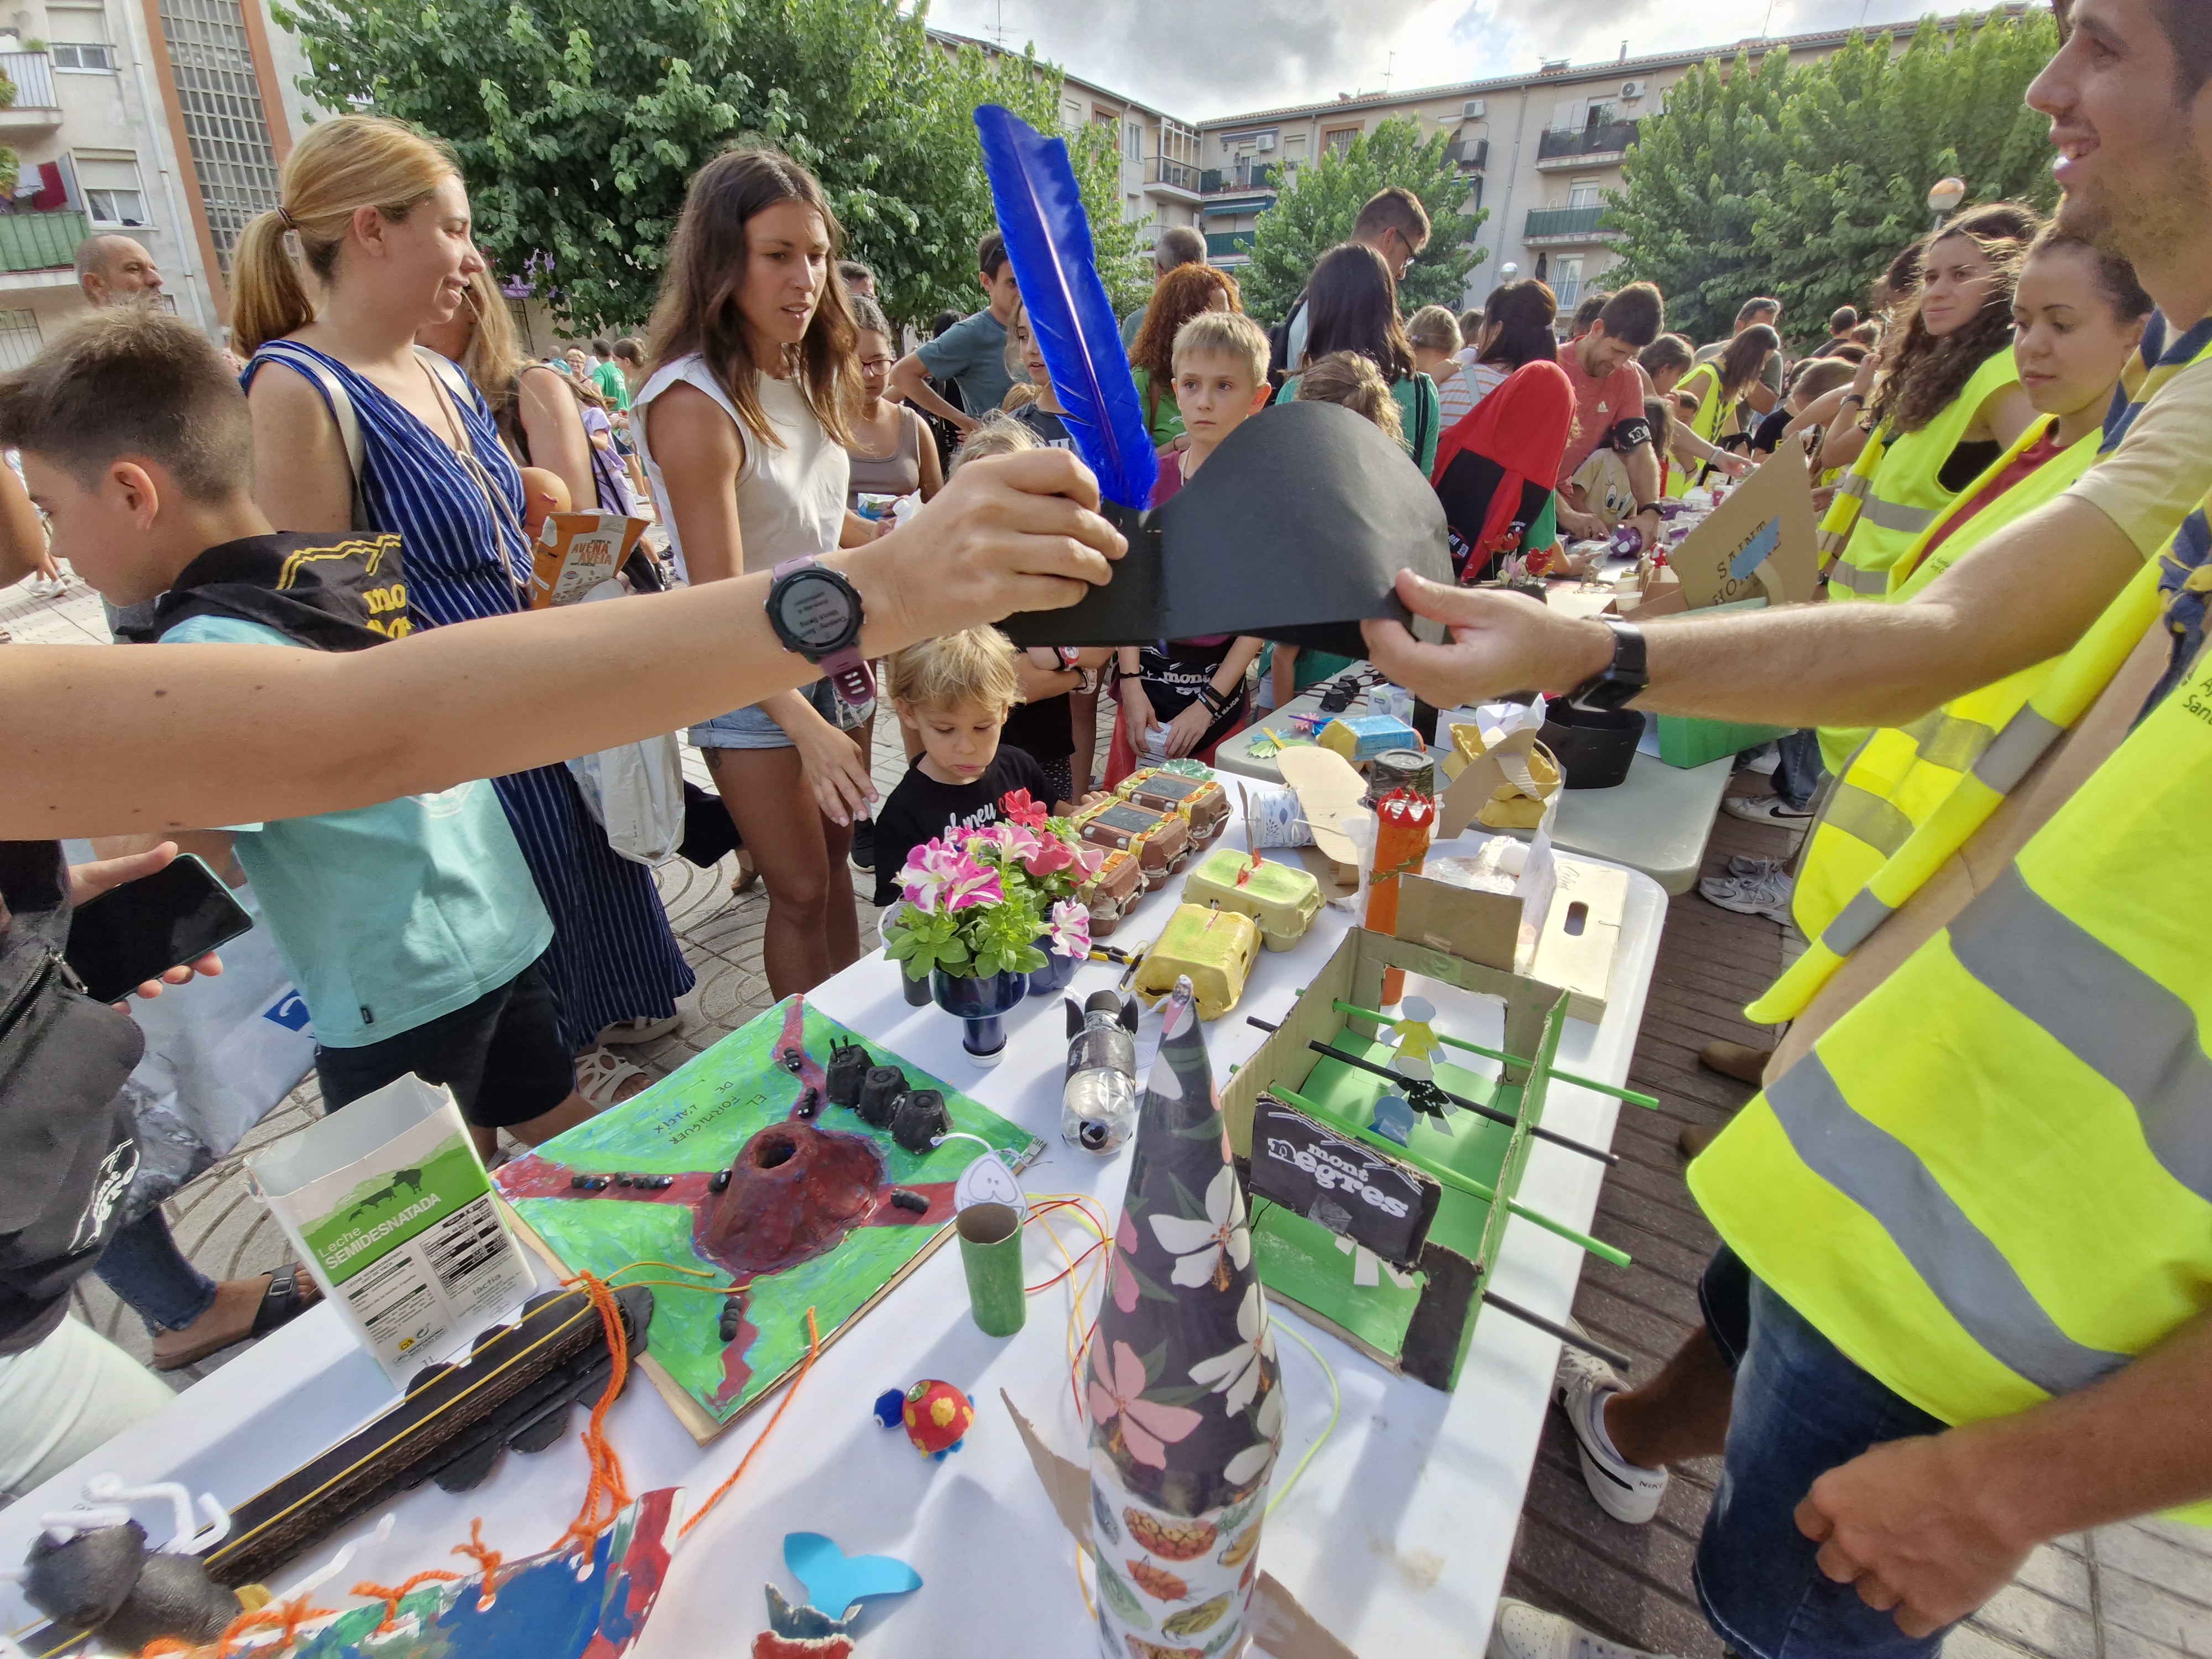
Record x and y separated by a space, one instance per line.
1564 227
1178 181
1228 246
40 243
1245 176
34 108
1471 154
1585 146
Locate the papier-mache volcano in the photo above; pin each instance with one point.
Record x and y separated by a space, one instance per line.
1295 527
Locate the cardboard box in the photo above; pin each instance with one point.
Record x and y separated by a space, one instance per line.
1757 542
575 552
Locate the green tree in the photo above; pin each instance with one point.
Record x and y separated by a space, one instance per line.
1315 208
578 123
1803 183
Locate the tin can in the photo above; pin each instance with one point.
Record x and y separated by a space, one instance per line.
1400 769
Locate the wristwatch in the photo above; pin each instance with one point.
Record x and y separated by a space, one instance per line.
1622 680
817 613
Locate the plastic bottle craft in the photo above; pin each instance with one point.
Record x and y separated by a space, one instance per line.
1184 1393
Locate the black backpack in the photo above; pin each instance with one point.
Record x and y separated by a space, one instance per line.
66 1154
1279 344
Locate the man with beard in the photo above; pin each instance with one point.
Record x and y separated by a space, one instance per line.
1961 1305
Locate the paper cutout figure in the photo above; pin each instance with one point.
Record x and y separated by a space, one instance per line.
1183 1483
1394 1118
839 1581
1416 1039
987 1180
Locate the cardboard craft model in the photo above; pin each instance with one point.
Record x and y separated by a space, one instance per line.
1294 529
1759 542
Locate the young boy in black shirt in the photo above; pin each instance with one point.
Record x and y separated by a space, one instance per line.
953 695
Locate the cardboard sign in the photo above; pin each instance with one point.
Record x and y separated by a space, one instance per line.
577 551
1759 542
1340 1183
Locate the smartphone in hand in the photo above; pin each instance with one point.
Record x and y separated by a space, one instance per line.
140 930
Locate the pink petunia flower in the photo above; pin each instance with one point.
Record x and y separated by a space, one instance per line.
1148 1428
1050 856
1070 929
1020 809
938 877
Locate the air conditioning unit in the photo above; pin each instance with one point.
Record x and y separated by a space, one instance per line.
1473 110
1266 143
1634 88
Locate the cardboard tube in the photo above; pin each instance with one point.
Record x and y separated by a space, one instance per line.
991 1254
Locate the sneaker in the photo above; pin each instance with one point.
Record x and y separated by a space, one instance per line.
1766 809
1623 1491
864 846
1763 762
1740 865
1521 1631
1751 895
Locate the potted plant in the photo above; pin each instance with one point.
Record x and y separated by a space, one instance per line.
1056 861
975 919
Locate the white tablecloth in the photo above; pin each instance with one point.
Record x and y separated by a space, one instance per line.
1397 1536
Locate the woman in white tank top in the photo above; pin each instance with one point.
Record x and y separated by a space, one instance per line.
740 424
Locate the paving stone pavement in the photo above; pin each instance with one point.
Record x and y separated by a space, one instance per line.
2142 1591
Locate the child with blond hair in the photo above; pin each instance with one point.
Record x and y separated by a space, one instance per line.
1182 697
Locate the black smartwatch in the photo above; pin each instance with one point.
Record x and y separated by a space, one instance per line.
817 613
1622 680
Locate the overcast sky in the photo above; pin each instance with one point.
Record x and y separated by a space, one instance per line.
1201 58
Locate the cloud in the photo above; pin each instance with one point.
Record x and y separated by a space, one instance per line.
1200 59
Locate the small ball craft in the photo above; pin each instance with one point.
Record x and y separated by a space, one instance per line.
936 1416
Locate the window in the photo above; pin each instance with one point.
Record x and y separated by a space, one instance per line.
1583 193
1338 141
109 180
1567 114
19 338
1071 112
1133 140
224 122
67 55
80 40
1567 283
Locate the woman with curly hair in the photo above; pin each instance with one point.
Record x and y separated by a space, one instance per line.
1181 295
1942 402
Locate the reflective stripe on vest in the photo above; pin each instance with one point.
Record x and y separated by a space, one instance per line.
1905 490
1704 424
2068 688
1900 775
1991 1181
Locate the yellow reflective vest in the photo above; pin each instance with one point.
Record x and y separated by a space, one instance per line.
1705 380
1900 775
1886 503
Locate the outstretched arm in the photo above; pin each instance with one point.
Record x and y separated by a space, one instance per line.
103 742
2026 594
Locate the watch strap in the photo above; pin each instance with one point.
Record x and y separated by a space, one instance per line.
847 669
1621 680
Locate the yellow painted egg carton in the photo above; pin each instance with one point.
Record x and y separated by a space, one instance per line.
1215 948
1283 899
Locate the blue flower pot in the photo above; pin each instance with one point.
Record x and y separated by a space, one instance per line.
979 1003
1051 979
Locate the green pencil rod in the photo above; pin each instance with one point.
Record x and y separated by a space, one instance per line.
1452 1178
1589 1083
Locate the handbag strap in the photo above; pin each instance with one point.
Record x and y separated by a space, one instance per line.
340 401
452 387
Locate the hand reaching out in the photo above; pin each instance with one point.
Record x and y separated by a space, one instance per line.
88 881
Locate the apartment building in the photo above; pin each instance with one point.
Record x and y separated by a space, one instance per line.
164 120
1159 153
1540 151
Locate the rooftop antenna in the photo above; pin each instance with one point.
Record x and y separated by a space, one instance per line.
1388 70
999 29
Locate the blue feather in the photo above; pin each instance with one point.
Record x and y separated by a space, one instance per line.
1048 238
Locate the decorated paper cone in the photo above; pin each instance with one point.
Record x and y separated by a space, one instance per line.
1184 1393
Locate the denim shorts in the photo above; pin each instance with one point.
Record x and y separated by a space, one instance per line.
1801 1408
752 728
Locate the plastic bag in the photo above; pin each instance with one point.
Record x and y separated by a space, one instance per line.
635 790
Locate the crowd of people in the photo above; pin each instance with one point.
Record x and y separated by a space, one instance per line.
1960 1306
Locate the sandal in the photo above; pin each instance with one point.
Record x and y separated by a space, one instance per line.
642 1029
748 874
291 1291
601 1075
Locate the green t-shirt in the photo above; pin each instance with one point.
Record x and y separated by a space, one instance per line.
608 377
1167 419
1420 415
388 916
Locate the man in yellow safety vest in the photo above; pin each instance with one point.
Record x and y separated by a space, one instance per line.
1962 1303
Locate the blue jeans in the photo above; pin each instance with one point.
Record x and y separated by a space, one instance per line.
1801 1408
144 1268
1797 772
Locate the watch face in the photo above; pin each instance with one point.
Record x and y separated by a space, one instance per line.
816 610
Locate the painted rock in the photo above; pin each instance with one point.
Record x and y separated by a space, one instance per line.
937 1417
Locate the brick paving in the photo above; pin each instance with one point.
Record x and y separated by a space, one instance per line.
2142 1591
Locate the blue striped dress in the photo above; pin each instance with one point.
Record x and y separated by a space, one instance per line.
613 957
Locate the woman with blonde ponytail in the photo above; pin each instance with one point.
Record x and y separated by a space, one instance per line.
370 245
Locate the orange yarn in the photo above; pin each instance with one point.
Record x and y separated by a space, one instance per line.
813 1352
391 1598
608 1494
486 1558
